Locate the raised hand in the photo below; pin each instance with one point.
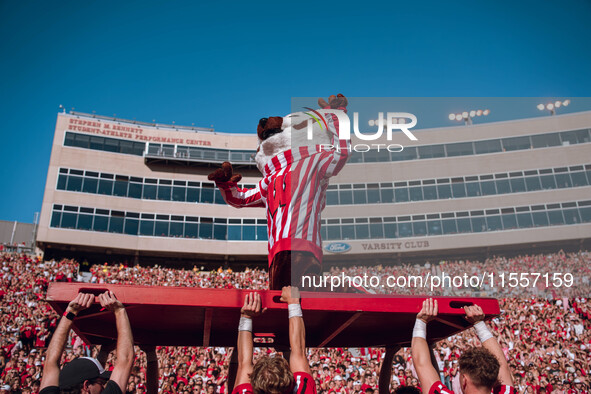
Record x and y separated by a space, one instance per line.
334 102
252 306
429 310
81 302
224 174
474 314
290 294
110 302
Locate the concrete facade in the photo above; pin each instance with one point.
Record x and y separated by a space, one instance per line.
63 240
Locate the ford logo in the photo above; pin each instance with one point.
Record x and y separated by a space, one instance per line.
337 247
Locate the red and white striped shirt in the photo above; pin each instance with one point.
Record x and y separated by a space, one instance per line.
293 190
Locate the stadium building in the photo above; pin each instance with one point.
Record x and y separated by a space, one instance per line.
122 190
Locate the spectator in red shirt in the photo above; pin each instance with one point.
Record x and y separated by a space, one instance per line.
273 374
480 368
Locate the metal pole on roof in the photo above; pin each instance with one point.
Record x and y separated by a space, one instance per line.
13 232
35 227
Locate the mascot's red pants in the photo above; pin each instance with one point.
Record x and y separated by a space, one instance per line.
302 264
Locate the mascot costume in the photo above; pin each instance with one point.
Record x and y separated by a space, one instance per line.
297 154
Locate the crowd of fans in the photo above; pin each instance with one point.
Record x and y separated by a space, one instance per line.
545 336
545 275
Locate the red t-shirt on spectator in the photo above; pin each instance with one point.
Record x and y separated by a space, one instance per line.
304 384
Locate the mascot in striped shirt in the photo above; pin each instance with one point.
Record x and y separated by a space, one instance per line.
297 154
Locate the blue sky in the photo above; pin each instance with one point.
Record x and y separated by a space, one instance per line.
229 63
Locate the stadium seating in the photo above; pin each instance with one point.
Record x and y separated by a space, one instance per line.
546 337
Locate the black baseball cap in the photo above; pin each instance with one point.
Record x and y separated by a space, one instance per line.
81 369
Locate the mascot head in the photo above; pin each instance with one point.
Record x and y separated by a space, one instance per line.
278 134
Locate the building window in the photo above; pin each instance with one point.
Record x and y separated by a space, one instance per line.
516 143
458 189
494 223
545 140
459 149
489 146
346 197
101 223
191 230
517 185
341 194
401 194
147 227
431 151
555 217
131 226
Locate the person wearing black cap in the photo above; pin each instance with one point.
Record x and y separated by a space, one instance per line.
86 375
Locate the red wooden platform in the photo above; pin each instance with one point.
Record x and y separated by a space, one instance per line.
180 316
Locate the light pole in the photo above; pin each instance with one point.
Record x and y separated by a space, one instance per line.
553 106
468 116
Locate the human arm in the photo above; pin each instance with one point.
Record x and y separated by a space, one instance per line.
51 369
124 352
251 308
475 315
151 368
298 362
421 354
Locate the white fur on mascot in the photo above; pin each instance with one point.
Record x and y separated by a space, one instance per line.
297 154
